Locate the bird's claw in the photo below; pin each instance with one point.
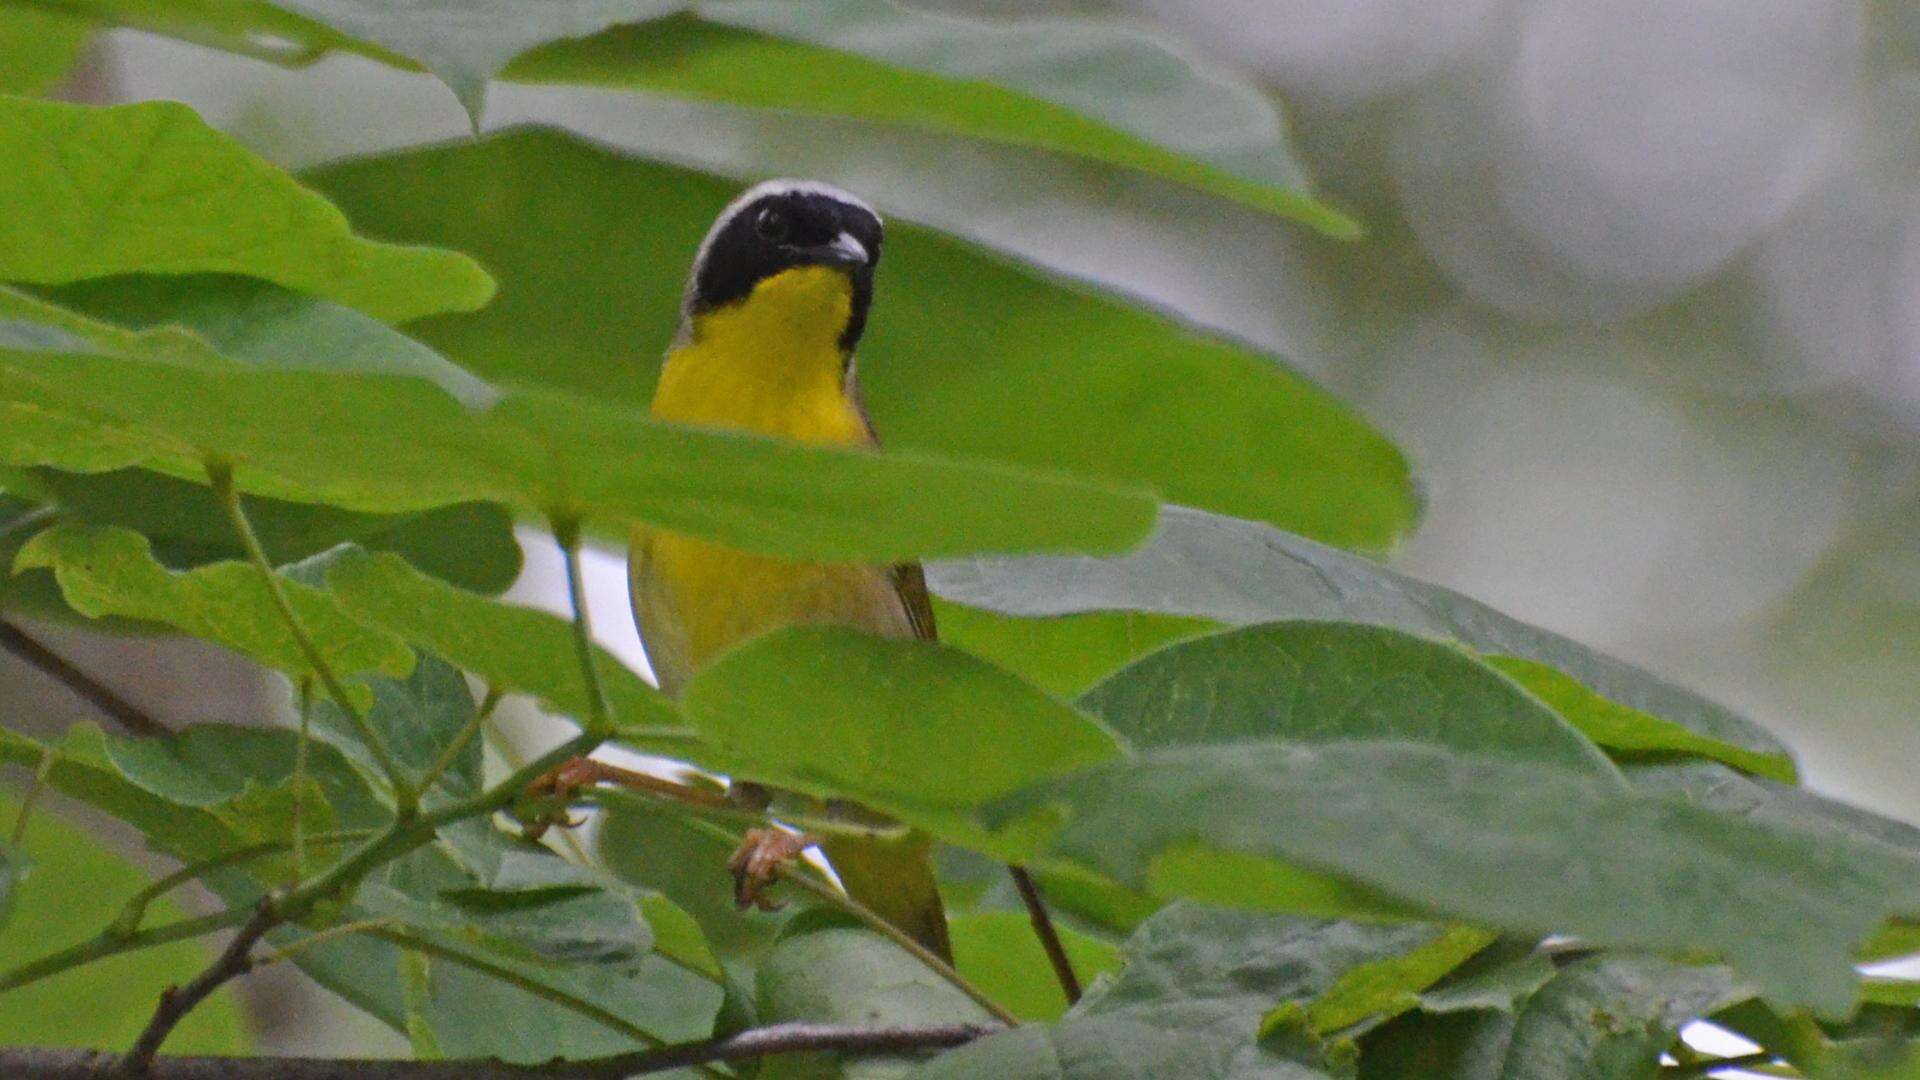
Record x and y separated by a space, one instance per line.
544 803
758 862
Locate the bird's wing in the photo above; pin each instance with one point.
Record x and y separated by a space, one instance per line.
911 583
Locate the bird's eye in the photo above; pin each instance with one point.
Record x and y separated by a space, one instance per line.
772 225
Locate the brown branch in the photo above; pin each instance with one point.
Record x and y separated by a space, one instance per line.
177 1001
1044 929
94 693
35 1064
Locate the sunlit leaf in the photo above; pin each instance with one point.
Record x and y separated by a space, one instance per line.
150 188
966 354
383 444
111 571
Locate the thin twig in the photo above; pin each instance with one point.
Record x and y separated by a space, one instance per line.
879 925
177 1001
451 752
566 532
89 689
220 475
1048 934
135 910
101 946
297 866
35 1064
48 758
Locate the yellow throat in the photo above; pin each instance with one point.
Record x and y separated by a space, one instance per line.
771 363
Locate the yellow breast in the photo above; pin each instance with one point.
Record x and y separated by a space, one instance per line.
770 364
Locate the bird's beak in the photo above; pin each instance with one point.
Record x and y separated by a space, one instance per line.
843 251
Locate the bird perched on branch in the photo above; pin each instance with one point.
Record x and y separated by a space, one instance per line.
774 310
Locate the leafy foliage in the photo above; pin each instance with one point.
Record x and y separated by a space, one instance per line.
1303 817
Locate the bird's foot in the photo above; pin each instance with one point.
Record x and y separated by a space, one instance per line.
758 862
544 804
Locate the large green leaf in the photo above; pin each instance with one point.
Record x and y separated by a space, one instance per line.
387 443
98 191
1329 682
470 544
76 888
513 648
965 354
1099 90
655 845
1611 1017
1520 847
1201 565
106 571
848 975
914 727
1194 1001
37 49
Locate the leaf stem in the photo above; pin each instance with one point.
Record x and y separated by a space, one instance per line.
1048 934
451 753
135 911
48 759
566 533
220 475
108 944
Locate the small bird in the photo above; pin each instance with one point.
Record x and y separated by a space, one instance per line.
774 309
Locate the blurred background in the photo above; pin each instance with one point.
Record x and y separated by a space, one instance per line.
1640 296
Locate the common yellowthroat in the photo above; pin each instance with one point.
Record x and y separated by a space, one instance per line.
773 312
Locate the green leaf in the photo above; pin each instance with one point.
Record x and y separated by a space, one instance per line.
466 44
1201 565
383 444
1065 654
1632 731
1771 804
208 766
513 648
1095 89
1498 979
650 844
416 718
847 975
469 544
150 188
1328 682
1457 1046
76 889
260 323
915 728
38 49
1521 847
1379 989
1191 1001
1611 1016
966 354
999 952
111 571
